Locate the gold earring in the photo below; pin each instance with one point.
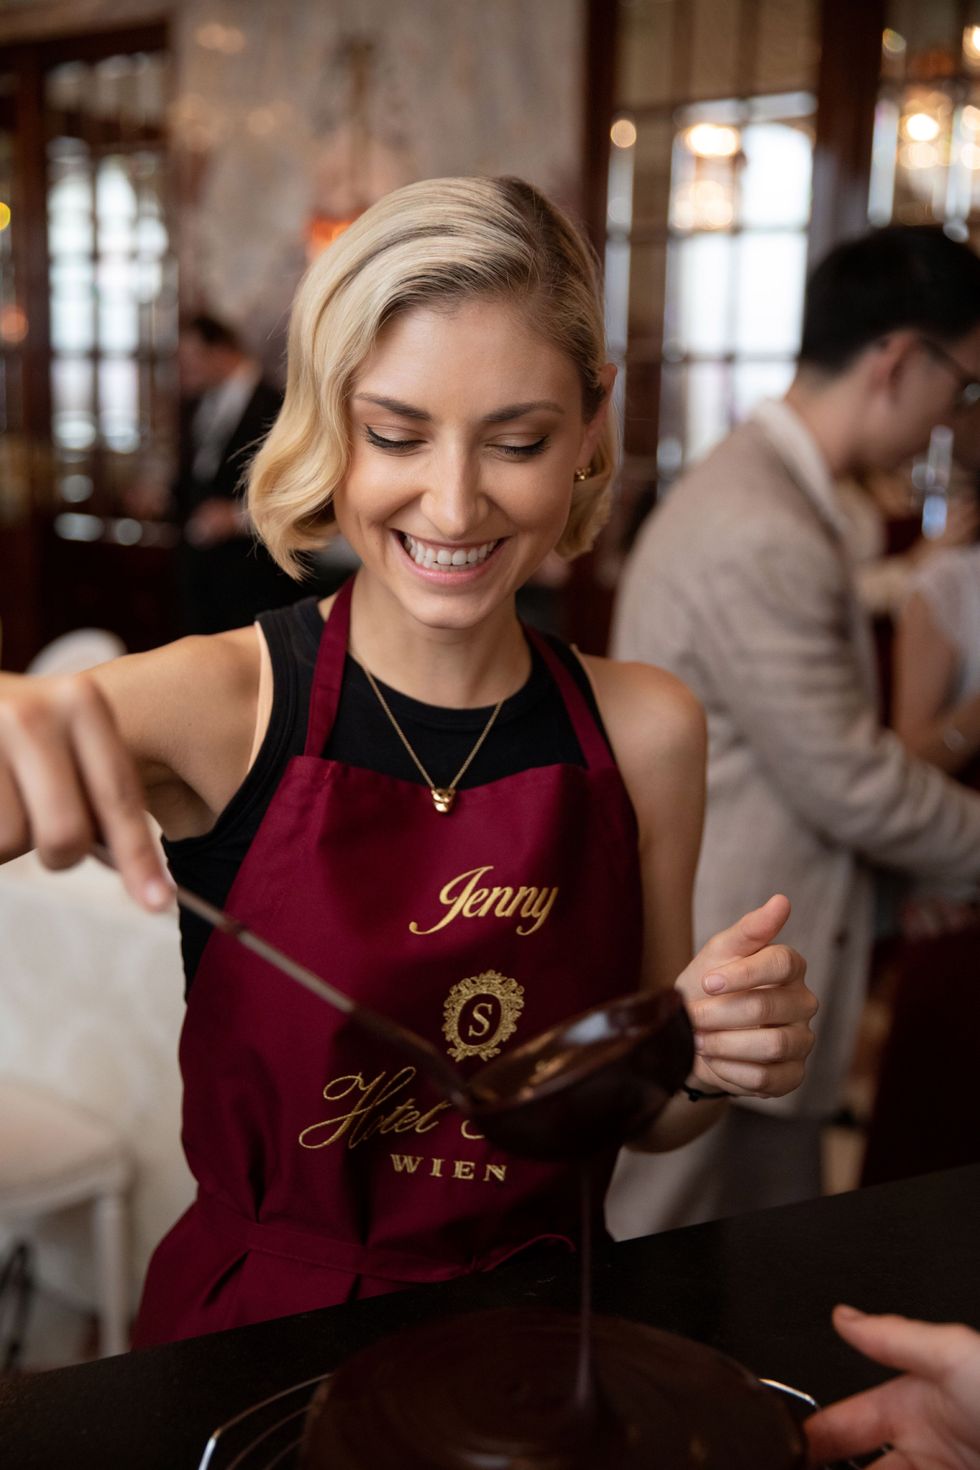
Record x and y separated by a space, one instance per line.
583 474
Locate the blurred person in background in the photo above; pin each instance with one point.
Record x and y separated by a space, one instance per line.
225 576
937 656
741 584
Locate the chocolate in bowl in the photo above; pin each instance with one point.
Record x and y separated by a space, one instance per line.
493 1391
588 1083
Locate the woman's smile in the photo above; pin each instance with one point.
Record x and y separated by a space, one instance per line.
466 429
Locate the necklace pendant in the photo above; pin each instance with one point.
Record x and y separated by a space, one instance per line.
443 798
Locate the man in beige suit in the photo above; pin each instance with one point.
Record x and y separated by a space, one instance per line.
740 584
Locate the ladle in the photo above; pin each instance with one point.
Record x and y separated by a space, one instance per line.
584 1085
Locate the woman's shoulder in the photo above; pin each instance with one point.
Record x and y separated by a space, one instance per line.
650 714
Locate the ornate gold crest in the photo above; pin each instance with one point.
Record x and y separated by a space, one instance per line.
481 1013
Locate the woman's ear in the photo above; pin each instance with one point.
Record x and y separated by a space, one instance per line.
593 429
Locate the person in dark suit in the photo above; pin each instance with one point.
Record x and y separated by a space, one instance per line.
226 577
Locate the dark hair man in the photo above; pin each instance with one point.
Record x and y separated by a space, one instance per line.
741 585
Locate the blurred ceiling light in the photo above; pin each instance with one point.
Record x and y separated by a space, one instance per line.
918 155
4 215
971 43
706 204
711 140
892 43
921 127
623 133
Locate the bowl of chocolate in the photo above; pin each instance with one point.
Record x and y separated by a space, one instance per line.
496 1391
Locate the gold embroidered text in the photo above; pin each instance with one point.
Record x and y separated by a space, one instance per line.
463 898
375 1106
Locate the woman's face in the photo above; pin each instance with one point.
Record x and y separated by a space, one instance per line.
466 430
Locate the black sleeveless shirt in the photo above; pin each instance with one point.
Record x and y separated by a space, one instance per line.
532 729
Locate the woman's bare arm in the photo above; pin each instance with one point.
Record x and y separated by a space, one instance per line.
925 717
83 757
745 994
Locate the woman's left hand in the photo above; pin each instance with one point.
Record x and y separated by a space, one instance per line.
750 1008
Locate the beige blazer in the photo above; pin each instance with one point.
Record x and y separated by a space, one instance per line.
740 585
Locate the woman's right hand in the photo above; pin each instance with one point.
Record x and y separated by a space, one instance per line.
67 780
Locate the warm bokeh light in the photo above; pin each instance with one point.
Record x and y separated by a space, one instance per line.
4 215
322 231
13 324
892 43
918 155
623 133
971 43
921 127
971 119
710 140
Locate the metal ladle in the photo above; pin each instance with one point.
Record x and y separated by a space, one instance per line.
587 1084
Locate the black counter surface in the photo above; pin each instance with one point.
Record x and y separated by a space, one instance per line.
759 1287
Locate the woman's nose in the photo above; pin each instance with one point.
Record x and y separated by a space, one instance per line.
453 500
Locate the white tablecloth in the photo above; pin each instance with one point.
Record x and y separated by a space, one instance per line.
91 1003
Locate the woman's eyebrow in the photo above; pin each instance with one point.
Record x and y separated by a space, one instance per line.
499 415
404 410
518 410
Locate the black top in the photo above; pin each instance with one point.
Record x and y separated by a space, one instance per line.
532 729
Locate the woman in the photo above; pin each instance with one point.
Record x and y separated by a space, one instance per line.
937 663
401 786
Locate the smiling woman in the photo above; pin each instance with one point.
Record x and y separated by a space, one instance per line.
460 822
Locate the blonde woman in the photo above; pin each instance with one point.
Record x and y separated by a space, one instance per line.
461 823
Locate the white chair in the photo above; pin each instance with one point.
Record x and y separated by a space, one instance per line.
73 653
53 1155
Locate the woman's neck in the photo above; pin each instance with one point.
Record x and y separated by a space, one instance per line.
458 668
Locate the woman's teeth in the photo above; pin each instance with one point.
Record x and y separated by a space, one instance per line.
442 556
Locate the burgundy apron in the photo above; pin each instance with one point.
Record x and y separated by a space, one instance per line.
327 1168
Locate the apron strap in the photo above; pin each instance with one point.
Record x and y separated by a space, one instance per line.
329 672
595 747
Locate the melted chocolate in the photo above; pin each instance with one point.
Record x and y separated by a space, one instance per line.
495 1391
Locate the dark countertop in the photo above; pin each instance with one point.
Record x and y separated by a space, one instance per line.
758 1286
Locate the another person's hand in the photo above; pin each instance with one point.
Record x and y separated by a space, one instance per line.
68 780
750 1007
929 1417
216 520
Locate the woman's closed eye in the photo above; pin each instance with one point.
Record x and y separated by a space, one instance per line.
402 446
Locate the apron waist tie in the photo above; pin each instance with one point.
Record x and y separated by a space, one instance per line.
316 1248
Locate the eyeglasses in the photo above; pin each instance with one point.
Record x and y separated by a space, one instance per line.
969 392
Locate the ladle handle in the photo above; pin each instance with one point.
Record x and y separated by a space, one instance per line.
446 1077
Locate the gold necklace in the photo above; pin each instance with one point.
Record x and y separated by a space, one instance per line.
442 796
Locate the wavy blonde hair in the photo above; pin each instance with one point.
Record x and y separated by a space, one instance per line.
434 243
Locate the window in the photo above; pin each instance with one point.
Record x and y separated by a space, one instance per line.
707 217
926 155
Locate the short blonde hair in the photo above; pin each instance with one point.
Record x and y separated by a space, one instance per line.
438 242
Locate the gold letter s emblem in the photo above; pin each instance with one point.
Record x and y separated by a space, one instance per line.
469 1011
